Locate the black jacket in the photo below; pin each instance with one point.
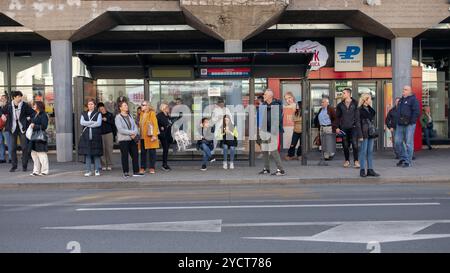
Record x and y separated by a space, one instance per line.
25 116
165 126
108 126
362 127
40 123
346 117
267 116
94 146
408 107
391 118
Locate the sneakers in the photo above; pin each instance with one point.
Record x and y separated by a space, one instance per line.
103 168
141 170
34 174
279 172
138 175
346 164
362 173
225 165
212 159
87 174
400 163
126 175
264 171
371 172
406 165
166 168
356 164
151 171
203 168
108 168
231 165
97 173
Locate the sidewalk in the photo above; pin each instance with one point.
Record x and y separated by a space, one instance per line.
430 167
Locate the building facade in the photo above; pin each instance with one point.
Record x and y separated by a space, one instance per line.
375 46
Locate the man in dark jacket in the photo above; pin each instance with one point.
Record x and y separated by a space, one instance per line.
19 118
271 134
408 113
391 124
346 115
108 132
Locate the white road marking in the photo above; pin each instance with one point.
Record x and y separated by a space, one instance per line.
368 231
341 232
262 206
189 226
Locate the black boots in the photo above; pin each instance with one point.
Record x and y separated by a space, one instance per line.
362 173
371 172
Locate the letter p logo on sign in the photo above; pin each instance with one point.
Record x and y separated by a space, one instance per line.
349 53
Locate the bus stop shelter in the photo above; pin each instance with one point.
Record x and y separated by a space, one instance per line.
197 66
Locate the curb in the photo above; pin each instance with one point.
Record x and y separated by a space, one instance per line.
134 184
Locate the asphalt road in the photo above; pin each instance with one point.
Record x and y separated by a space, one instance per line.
265 218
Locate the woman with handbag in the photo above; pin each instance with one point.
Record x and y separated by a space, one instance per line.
367 133
38 142
91 143
148 125
427 125
128 138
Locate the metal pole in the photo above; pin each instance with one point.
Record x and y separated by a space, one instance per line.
146 90
8 71
305 120
252 117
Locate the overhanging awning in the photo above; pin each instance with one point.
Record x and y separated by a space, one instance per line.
202 65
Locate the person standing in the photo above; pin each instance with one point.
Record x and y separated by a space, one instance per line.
227 135
165 133
366 138
288 123
325 120
408 113
91 144
128 137
270 136
346 112
427 124
108 128
148 125
297 134
18 119
38 143
5 137
391 124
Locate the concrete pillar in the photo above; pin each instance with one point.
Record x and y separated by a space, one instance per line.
233 46
62 85
235 96
401 50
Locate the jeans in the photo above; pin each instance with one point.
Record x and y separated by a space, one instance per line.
225 153
366 153
165 147
2 146
404 140
129 147
427 132
397 152
23 145
151 156
296 137
348 140
89 159
206 153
